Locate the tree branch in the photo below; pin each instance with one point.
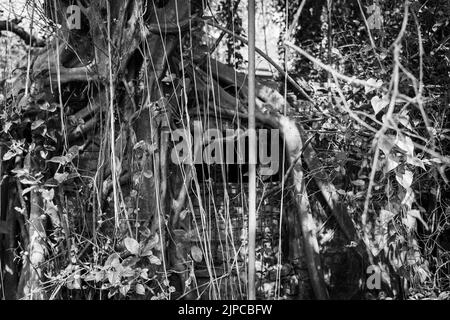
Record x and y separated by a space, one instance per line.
13 27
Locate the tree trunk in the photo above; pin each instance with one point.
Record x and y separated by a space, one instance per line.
103 159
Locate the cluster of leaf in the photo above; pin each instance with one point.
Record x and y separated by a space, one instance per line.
125 274
34 157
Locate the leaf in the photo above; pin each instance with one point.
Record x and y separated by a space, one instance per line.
90 276
100 276
127 272
436 160
27 190
406 144
144 274
148 174
416 214
9 155
7 126
378 103
19 210
405 179
385 216
118 165
48 195
72 153
130 261
358 183
111 293
61 160
36 124
124 289
146 251
48 107
112 260
139 145
391 163
375 20
415 162
140 289
153 242
150 148
61 177
183 214
196 254
29 181
373 84
113 277
132 246
20 172
386 143
169 78
403 118
409 198
154 260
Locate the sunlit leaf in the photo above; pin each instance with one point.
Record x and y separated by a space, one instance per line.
358 183
112 260
405 179
60 160
378 103
406 144
61 177
196 254
140 289
132 245
36 124
154 260
415 162
373 84
9 155
409 222
391 163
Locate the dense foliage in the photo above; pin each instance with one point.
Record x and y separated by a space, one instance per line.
85 156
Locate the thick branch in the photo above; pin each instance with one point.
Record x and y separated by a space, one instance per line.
302 90
13 27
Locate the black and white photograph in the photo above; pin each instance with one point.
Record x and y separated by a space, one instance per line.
224 158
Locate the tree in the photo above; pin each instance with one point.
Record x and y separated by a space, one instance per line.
99 200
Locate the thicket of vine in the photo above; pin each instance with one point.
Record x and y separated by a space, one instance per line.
92 208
